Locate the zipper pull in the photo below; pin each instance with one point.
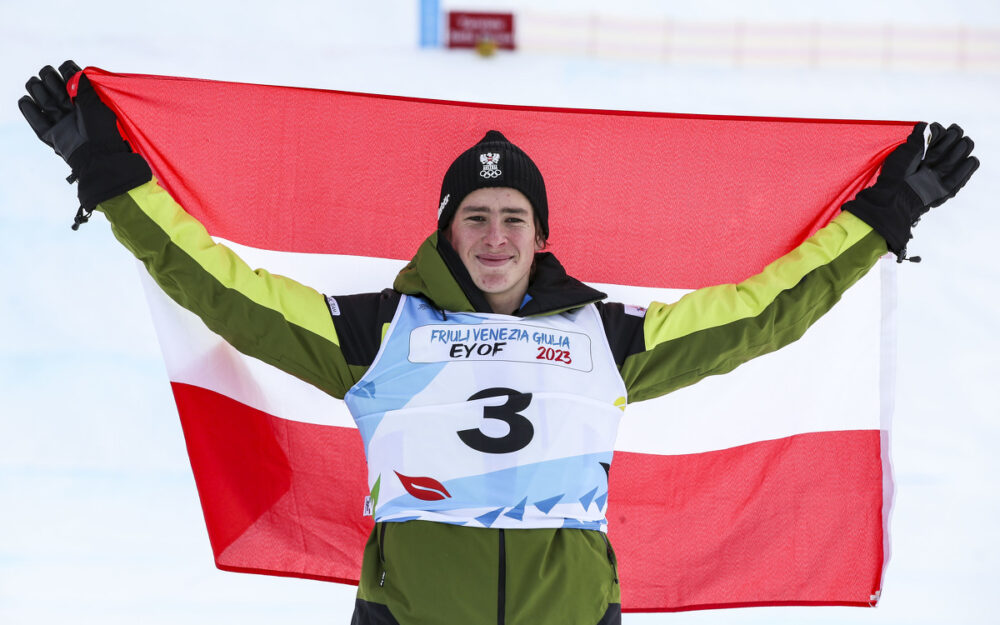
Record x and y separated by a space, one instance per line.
381 552
902 256
82 217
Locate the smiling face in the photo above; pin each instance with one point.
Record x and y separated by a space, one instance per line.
494 233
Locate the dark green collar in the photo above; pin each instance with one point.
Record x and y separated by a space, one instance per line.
438 274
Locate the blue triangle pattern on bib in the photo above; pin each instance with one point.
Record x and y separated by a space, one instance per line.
517 512
488 518
600 501
546 504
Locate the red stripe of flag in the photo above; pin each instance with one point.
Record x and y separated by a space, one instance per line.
666 513
330 172
280 497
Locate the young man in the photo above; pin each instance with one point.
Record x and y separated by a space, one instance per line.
488 468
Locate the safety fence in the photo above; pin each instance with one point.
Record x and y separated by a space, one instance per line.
736 43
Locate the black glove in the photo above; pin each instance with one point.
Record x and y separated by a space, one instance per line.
84 132
912 182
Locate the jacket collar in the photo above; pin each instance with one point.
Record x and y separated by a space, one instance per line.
438 274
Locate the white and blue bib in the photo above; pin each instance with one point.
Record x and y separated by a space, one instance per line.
490 420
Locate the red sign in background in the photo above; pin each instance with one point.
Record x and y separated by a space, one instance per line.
465 29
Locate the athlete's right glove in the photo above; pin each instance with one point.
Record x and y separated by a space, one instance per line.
84 132
914 180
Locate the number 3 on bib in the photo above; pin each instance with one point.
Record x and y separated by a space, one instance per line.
521 430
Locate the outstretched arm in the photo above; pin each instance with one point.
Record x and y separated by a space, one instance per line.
270 317
713 330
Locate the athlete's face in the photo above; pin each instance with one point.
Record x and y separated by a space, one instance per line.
494 233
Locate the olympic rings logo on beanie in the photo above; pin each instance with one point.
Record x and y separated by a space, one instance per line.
493 162
490 168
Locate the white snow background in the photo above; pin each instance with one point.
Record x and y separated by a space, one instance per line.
99 516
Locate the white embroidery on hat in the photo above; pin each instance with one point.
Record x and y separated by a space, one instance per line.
489 161
444 203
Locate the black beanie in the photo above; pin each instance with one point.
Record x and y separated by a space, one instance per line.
493 162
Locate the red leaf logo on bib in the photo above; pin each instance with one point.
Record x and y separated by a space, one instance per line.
425 488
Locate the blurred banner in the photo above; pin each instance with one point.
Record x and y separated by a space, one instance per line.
469 30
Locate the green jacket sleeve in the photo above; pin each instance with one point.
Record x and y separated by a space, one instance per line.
713 330
266 316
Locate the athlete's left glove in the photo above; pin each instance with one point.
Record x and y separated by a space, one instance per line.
67 114
918 175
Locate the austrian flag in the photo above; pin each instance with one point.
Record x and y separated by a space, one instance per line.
768 485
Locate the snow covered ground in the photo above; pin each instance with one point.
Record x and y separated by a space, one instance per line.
99 518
